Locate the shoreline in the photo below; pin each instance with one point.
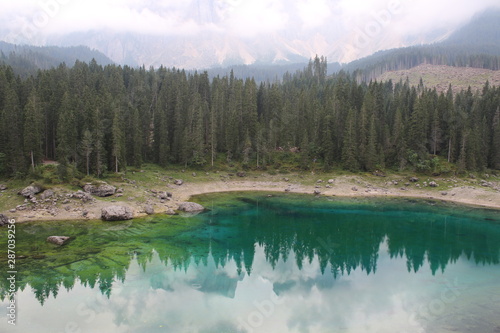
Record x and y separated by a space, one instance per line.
488 201
343 186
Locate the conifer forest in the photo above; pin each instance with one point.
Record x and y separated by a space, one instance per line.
93 119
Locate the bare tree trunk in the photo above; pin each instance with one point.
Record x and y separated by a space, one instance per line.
32 161
449 151
88 164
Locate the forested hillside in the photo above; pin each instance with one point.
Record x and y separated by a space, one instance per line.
93 119
26 60
477 44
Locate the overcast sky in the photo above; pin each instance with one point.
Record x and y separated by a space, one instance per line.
32 21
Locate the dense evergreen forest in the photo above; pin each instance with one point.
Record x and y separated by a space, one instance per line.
94 119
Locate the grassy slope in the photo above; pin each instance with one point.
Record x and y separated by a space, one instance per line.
440 77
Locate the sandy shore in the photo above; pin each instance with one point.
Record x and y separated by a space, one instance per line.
471 196
347 186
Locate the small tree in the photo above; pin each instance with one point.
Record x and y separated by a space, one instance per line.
87 146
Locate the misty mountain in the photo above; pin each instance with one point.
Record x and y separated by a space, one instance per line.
481 34
476 44
26 60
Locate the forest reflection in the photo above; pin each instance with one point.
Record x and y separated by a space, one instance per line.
340 238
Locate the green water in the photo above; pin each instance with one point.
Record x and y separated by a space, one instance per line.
253 263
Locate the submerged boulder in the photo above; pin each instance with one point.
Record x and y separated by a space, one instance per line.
4 220
190 207
104 190
58 240
116 213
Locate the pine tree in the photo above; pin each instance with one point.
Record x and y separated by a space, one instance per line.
372 157
495 142
399 141
136 138
87 146
349 156
33 129
118 140
12 129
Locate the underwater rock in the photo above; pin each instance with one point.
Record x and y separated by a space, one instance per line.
58 240
190 207
116 213
4 220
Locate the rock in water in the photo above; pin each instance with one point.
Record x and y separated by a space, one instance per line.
170 211
58 240
30 191
178 182
116 213
101 190
190 207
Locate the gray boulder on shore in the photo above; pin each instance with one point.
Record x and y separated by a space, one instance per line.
149 210
190 207
116 213
47 194
84 196
104 190
30 191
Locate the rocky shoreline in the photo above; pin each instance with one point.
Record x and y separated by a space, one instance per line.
110 202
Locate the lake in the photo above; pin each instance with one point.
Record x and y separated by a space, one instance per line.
260 262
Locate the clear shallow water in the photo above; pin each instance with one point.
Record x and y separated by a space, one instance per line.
287 263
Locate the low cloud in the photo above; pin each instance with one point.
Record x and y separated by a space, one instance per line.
343 23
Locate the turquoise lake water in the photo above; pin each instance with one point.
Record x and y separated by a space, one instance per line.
254 263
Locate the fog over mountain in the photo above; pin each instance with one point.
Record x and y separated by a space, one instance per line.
207 33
